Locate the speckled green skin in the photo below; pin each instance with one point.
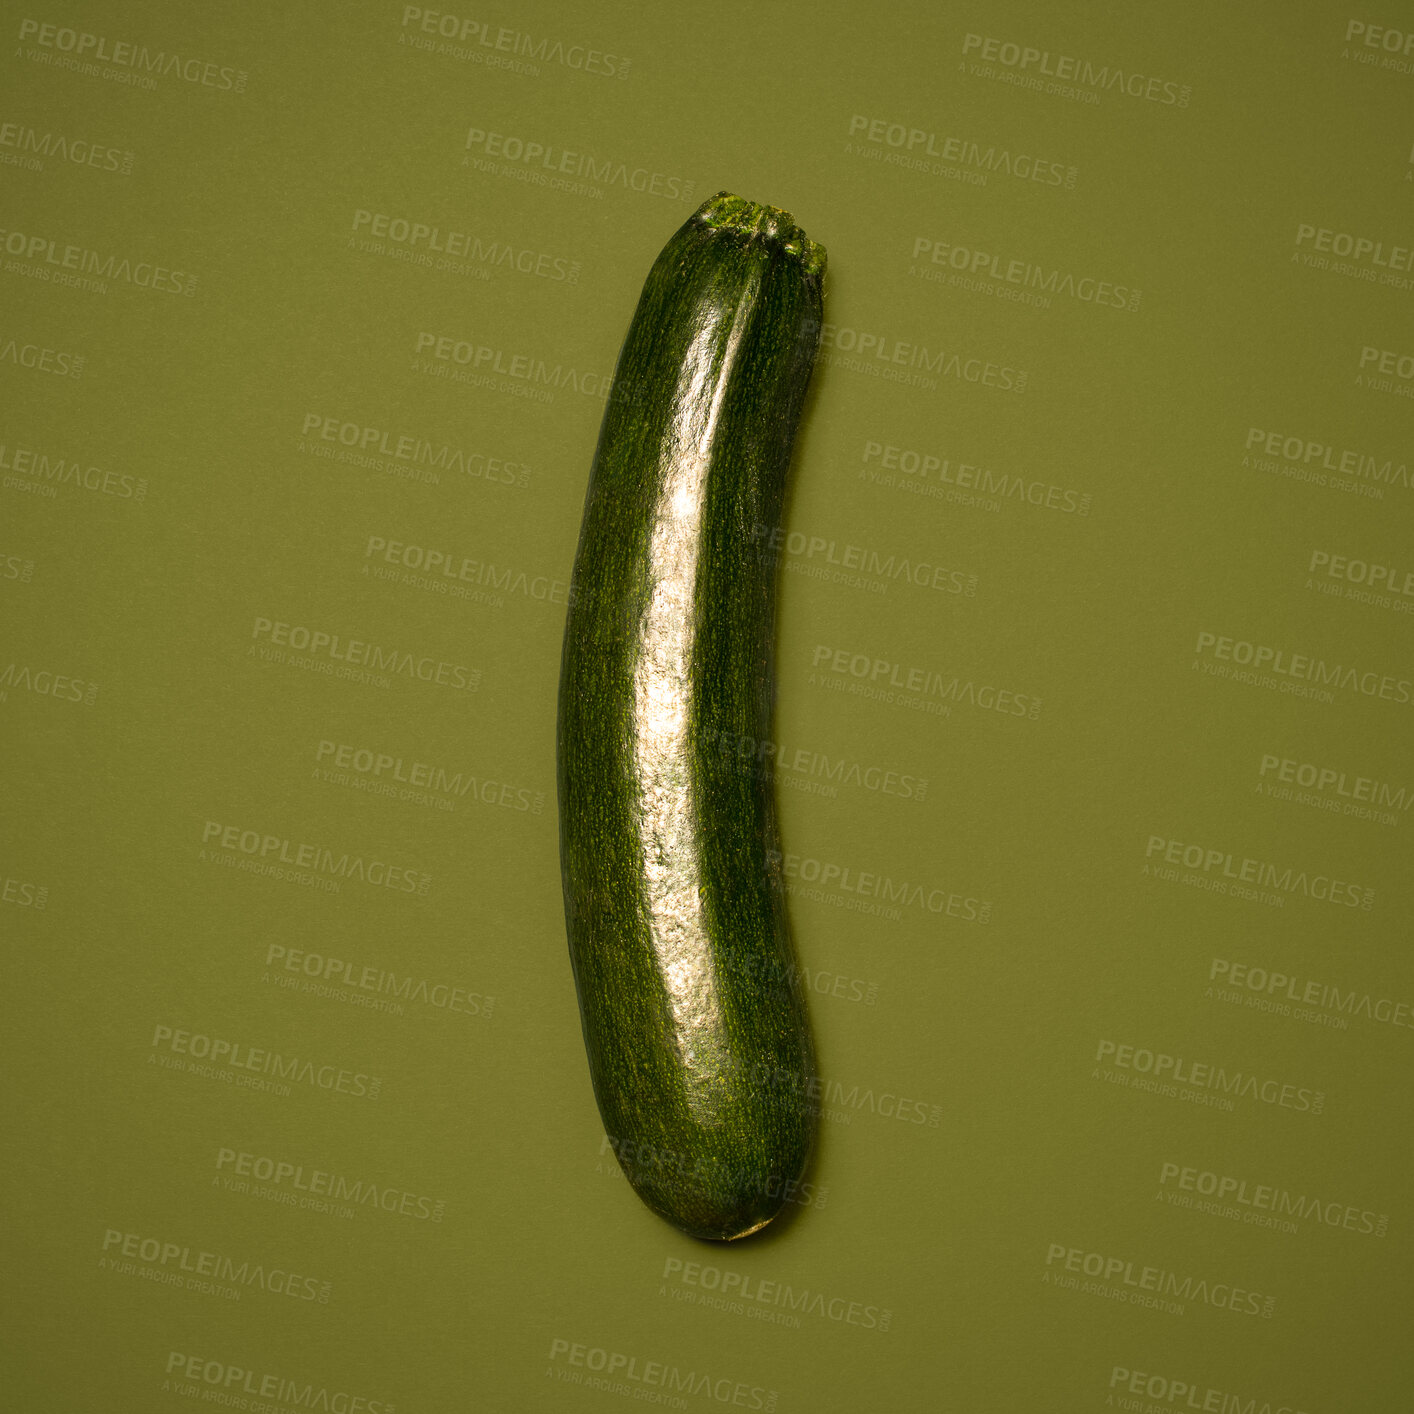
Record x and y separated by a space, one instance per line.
693 1014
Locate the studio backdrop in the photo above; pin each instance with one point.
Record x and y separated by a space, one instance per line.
1091 736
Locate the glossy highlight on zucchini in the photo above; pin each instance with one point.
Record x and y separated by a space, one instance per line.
692 1008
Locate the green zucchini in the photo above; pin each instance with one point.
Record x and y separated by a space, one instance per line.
691 1004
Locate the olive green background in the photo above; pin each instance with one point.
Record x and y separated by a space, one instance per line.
981 1155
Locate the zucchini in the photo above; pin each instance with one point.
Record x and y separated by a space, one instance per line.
691 1004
